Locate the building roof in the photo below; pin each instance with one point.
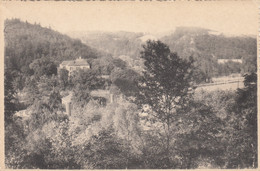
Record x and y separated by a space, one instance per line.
65 62
67 99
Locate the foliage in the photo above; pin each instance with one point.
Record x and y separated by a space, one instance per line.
205 48
106 151
229 68
25 42
103 66
180 129
43 66
83 82
243 149
63 78
249 63
31 90
40 48
215 130
125 80
89 79
120 43
203 130
165 86
9 96
220 130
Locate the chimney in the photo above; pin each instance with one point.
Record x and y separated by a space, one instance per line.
111 98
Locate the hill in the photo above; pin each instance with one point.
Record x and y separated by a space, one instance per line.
25 42
116 43
184 40
32 50
206 46
210 42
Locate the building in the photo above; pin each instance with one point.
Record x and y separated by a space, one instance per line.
74 65
66 101
223 61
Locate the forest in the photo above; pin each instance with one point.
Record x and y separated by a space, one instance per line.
160 121
206 49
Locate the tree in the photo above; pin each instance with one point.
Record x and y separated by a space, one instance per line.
165 86
87 79
54 101
202 140
125 80
83 83
126 124
103 65
43 66
9 95
208 66
242 152
64 78
249 63
31 90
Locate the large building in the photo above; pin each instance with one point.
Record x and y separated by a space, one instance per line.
74 65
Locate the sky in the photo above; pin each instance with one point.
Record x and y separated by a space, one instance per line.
232 17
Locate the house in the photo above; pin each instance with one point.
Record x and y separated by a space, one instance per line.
223 61
74 65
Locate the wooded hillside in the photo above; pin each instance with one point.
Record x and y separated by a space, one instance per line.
25 42
204 45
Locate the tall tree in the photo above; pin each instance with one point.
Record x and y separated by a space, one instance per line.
64 78
165 86
43 66
244 147
9 95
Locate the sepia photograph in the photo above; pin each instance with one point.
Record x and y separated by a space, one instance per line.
130 85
